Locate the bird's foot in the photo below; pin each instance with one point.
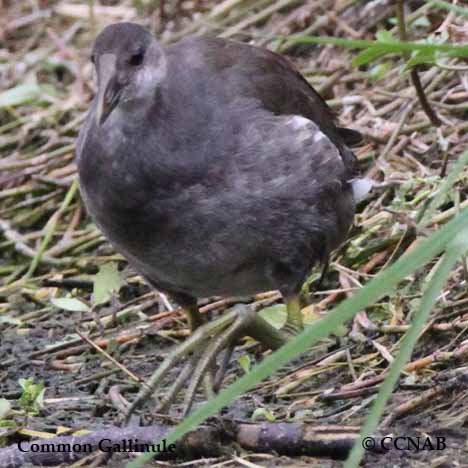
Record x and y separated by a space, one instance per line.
200 352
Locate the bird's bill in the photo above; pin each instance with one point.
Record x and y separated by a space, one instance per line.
109 88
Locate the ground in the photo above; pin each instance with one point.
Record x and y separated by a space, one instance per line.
50 249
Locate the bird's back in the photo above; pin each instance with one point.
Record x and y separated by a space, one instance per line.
231 70
239 177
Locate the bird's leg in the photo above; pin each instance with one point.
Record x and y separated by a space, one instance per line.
186 348
193 316
326 264
294 323
218 380
194 320
201 350
177 385
248 323
293 326
205 361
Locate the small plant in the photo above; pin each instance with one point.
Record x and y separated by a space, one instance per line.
263 413
32 398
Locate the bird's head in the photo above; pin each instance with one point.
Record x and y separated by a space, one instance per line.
129 63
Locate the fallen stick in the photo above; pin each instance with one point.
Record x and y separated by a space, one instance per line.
291 439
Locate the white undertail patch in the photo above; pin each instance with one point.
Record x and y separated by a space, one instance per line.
361 187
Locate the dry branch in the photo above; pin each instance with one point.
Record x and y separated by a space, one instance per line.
282 438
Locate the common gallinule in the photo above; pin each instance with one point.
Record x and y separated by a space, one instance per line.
216 170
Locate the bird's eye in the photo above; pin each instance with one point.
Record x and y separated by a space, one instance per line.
136 58
93 59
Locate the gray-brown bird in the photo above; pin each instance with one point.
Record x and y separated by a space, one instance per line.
216 170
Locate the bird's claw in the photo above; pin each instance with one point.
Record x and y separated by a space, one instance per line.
201 351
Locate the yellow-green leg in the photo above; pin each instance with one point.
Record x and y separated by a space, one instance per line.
200 351
294 321
195 321
193 316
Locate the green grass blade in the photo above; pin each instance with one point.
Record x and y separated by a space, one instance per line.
459 10
429 298
376 289
390 47
446 186
369 55
50 228
20 95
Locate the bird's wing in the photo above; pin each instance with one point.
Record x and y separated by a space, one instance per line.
251 72
284 187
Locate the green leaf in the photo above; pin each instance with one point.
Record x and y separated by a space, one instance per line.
10 320
8 423
20 95
384 36
420 57
275 315
369 55
106 282
341 330
421 22
263 413
245 362
380 70
32 398
70 303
